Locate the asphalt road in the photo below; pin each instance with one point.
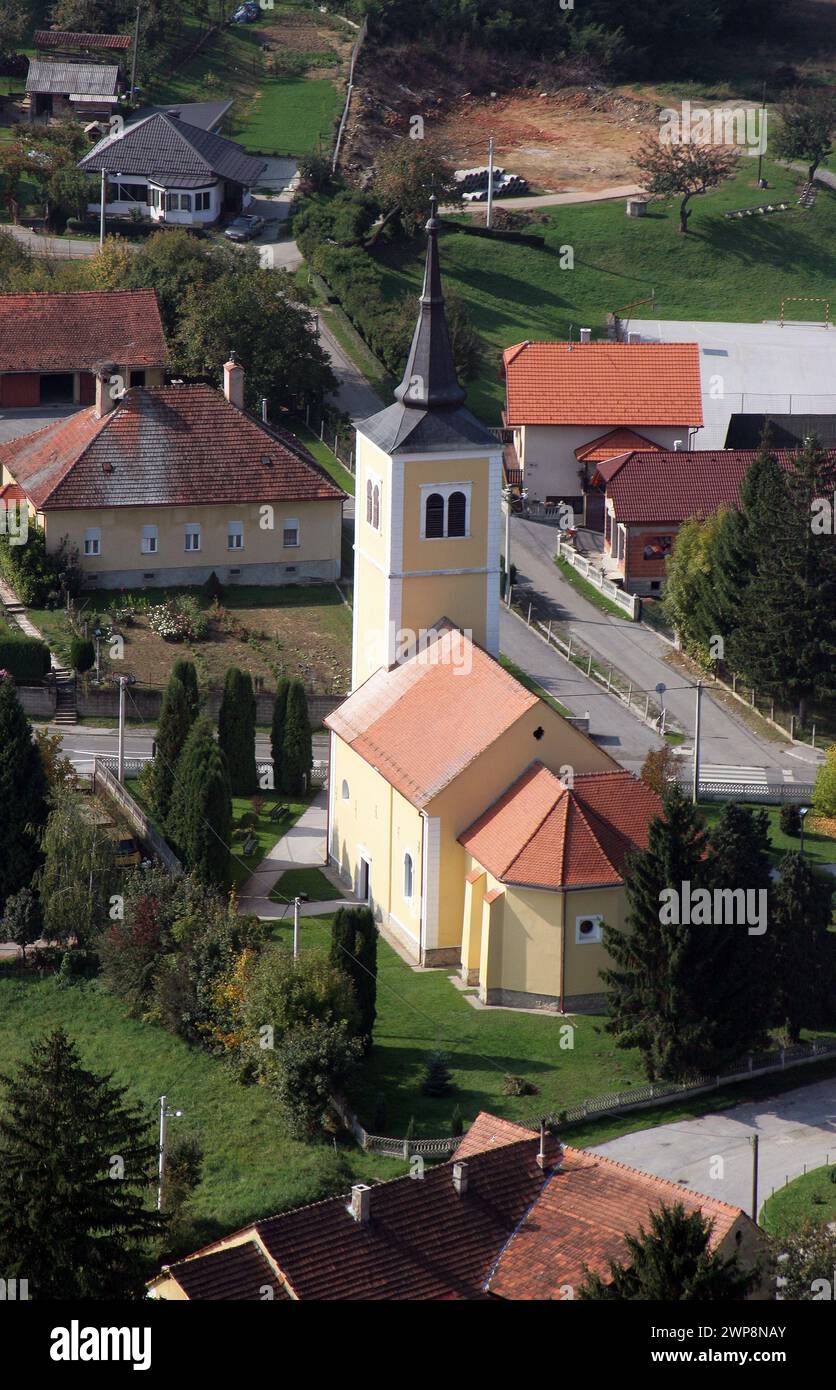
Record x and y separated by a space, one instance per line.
794 1129
640 655
82 743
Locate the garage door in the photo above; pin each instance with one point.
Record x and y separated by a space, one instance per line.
20 388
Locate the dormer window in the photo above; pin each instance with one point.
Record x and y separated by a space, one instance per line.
445 511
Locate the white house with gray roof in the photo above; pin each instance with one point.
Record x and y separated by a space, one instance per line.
172 171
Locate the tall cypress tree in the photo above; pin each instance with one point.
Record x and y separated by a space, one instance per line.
186 672
70 1224
277 733
354 951
200 820
236 731
649 1005
23 807
805 964
173 728
297 747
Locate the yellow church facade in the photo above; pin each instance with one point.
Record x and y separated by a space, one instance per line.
440 760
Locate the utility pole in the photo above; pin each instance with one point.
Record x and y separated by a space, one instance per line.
134 57
296 928
489 219
165 1116
762 137
122 682
754 1142
102 210
696 794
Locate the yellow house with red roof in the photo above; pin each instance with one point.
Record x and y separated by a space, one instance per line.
485 830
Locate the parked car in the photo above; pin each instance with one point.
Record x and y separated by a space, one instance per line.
245 227
127 853
246 14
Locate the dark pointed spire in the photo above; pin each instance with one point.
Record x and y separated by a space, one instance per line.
430 377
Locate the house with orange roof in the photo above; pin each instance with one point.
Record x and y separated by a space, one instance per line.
568 404
436 732
513 1215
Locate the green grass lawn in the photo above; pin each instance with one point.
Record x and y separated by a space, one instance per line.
289 116
311 882
811 1197
251 1166
418 1011
323 456
722 270
819 848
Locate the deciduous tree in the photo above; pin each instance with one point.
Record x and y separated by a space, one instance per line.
684 171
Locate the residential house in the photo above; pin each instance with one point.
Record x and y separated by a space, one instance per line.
170 171
512 1215
83 91
435 731
165 484
50 343
648 495
751 370
562 397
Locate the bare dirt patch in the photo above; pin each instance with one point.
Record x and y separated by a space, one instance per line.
304 33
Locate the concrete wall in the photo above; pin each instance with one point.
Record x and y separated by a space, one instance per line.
39 703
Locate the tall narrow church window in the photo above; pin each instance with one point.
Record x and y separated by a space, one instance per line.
376 508
457 514
407 876
434 519
369 501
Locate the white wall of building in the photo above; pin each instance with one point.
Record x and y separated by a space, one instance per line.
547 454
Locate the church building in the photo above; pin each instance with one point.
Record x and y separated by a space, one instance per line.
487 832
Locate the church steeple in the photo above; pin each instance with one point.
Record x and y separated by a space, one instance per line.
430 380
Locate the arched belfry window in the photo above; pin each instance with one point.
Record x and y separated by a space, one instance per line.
407 876
376 508
456 514
369 501
434 516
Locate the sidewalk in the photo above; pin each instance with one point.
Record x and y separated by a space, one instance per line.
17 613
302 847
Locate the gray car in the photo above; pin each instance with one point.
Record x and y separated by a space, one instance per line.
245 227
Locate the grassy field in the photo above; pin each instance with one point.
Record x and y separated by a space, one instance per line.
289 116
723 270
809 1198
418 1011
299 630
818 847
251 1166
323 456
310 882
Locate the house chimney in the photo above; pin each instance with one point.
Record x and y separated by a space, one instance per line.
234 382
541 1156
586 335
634 337
677 444
460 1178
105 400
360 1207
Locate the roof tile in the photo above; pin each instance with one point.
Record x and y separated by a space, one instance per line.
603 383
45 332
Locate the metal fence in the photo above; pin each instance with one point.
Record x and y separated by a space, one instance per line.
106 784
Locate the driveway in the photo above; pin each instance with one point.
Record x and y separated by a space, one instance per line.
794 1129
640 655
276 248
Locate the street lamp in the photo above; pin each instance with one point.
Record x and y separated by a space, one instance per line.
508 496
165 1116
297 901
122 682
802 811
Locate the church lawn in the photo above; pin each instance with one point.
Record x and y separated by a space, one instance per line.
310 882
725 269
251 1166
811 1197
819 848
418 1011
299 630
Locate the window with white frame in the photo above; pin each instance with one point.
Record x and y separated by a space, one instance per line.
202 202
93 540
185 202
445 510
589 929
149 540
235 535
290 533
407 877
192 535
155 197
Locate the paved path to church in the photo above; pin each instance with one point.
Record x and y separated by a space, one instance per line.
302 847
794 1129
641 655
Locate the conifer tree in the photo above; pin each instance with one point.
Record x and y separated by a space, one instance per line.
438 1079
172 731
805 956
297 748
236 731
277 733
186 672
70 1222
23 807
354 950
672 1262
200 820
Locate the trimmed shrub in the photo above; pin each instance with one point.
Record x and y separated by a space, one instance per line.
25 658
790 819
82 654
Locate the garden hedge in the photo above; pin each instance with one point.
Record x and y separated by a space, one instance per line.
27 658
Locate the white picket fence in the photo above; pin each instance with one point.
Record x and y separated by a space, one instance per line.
630 603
